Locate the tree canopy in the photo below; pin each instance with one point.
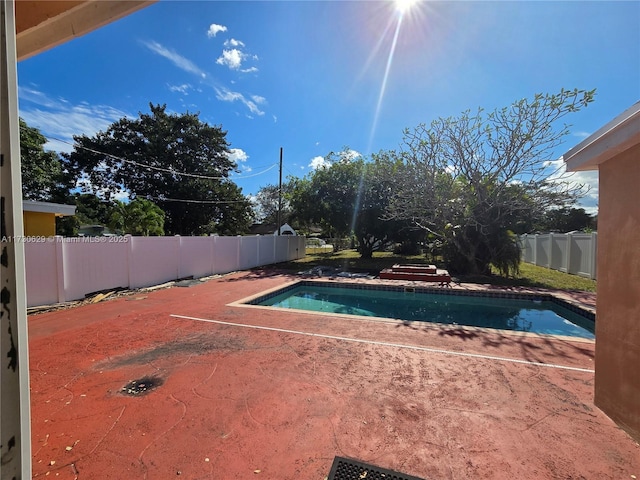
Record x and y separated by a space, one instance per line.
175 160
467 179
567 220
44 176
139 217
348 196
267 202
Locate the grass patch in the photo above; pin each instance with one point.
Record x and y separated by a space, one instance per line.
529 276
350 260
534 276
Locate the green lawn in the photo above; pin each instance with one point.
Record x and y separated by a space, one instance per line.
529 276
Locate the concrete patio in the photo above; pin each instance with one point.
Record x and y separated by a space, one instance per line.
281 401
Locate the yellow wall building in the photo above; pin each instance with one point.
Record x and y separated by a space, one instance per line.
40 217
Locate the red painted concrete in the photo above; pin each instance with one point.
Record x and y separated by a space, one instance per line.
240 403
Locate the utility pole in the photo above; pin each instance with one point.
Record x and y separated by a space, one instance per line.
280 196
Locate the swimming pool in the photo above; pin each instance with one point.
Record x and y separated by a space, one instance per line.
542 314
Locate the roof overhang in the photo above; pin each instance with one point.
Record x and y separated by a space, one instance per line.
58 209
43 24
620 134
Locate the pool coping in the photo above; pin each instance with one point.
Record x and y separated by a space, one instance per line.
588 313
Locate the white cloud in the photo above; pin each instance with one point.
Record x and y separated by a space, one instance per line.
227 95
121 195
258 99
175 58
253 108
231 58
83 184
234 57
62 120
183 89
344 156
214 29
32 95
349 155
589 179
318 162
581 134
237 155
233 43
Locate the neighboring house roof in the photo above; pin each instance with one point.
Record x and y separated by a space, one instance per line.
285 229
262 228
58 209
620 134
270 229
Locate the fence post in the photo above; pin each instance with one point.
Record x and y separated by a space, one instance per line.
594 255
569 244
130 277
550 260
258 259
178 252
59 255
275 249
212 251
535 249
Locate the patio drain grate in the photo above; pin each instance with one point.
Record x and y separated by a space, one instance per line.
348 469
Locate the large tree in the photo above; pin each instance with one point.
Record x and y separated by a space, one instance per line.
375 191
270 199
467 179
348 196
44 176
567 220
139 217
327 196
175 160
92 210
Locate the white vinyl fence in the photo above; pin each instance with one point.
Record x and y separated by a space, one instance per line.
568 252
62 269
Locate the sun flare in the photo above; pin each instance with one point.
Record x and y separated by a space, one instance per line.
404 5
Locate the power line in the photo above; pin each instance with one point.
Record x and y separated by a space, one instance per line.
209 202
161 169
256 174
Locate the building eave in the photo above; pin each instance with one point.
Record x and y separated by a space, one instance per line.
58 209
41 25
620 134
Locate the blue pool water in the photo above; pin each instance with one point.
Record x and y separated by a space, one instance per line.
527 315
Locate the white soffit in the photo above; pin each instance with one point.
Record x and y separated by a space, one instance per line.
47 207
67 20
620 134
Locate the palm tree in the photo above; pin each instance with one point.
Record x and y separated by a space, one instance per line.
139 217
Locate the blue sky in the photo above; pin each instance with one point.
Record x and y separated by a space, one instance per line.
316 76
